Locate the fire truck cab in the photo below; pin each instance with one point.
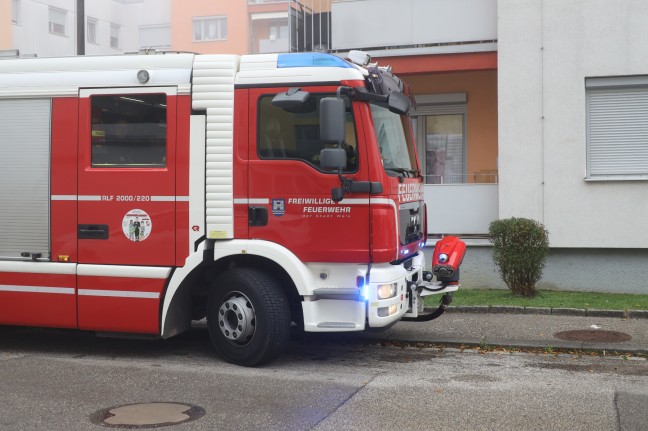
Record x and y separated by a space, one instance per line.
263 192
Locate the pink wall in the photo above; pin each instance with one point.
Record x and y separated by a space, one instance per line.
6 28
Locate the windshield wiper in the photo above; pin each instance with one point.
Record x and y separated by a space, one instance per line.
403 171
398 170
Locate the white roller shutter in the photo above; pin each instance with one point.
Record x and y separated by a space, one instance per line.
24 177
213 90
617 128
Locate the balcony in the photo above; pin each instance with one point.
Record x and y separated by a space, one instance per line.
287 26
411 27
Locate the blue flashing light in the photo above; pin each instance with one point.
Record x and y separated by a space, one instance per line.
310 59
364 292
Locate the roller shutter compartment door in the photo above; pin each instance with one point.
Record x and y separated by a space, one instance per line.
24 178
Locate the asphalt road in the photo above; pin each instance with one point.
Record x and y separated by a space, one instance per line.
55 380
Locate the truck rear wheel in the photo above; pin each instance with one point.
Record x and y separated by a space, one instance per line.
248 317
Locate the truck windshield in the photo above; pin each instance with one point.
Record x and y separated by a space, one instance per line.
395 141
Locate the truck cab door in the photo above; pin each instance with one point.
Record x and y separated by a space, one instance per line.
126 228
126 176
292 193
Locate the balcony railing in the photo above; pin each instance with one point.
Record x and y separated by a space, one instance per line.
461 208
435 25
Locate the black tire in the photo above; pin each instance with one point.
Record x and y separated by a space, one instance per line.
248 317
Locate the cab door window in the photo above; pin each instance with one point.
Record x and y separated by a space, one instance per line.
287 135
129 130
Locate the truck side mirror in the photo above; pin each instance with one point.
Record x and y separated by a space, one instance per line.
332 132
332 120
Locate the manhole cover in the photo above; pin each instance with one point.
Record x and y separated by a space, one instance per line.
148 415
594 336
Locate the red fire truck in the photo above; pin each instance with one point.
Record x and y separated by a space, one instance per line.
267 193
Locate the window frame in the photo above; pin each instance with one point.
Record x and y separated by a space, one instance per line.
52 11
91 22
99 142
202 20
597 91
452 106
114 27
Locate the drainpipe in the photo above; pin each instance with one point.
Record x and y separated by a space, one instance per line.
80 27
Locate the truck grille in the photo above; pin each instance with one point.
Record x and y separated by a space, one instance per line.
411 222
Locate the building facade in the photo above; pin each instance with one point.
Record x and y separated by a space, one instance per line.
573 135
250 26
48 28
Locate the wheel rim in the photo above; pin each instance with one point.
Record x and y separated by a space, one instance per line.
237 319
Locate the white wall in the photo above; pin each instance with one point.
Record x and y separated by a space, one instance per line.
155 24
546 50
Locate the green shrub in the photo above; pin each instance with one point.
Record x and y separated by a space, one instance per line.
520 249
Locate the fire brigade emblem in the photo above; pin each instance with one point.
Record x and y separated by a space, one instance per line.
137 225
278 207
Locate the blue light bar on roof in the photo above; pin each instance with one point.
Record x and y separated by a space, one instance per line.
310 59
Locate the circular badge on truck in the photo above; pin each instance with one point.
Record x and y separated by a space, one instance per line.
137 225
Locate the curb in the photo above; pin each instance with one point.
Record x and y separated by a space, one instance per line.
497 309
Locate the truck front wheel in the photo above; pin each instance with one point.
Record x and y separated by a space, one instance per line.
248 317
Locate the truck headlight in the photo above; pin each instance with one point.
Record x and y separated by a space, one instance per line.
386 291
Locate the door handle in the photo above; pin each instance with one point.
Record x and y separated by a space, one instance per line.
257 216
93 231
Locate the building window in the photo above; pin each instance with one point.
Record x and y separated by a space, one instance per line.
440 126
15 12
91 30
444 148
57 20
441 137
114 36
617 128
210 28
